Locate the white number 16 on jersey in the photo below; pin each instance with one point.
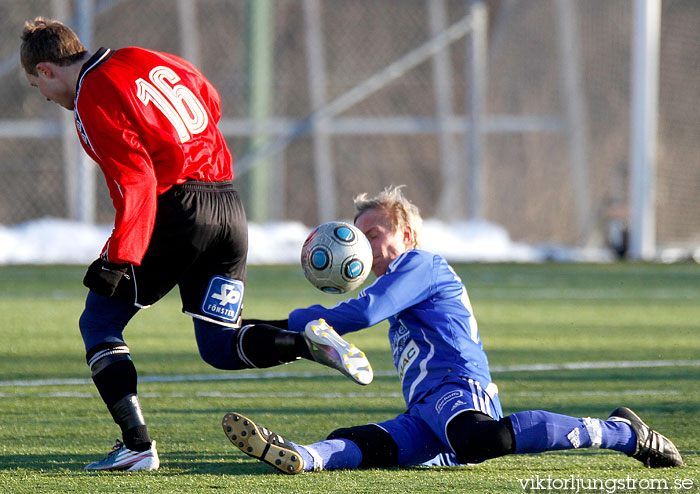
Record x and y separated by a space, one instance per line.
179 105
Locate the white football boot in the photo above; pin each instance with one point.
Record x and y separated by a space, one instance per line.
328 348
122 458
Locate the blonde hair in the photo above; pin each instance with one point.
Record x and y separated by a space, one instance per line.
400 211
46 40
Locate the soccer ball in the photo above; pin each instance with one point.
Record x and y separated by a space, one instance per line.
336 257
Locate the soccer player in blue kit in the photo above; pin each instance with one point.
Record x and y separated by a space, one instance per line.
453 414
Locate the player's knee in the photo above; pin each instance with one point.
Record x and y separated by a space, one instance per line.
86 324
103 319
377 446
93 328
477 437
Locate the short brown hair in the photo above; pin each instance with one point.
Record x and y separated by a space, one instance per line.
401 211
46 40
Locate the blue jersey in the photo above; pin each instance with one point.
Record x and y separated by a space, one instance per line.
432 330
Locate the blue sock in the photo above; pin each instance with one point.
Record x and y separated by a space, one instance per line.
618 436
537 431
305 455
330 454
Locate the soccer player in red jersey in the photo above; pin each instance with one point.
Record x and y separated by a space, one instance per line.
149 120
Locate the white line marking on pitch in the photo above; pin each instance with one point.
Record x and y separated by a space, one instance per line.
630 392
621 364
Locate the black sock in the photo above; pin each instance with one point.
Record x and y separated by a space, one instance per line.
293 343
116 381
137 438
262 345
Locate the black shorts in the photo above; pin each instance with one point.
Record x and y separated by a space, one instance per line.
200 243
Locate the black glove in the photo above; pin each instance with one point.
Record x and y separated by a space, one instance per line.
103 277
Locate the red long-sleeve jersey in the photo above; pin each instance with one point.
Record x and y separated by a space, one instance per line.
149 120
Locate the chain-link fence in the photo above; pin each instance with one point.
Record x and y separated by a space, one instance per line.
395 88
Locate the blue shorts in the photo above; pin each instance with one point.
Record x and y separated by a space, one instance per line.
420 432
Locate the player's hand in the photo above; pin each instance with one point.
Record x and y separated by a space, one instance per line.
103 277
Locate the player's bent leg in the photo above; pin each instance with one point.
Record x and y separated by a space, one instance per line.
475 437
654 450
254 346
262 444
328 348
261 345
